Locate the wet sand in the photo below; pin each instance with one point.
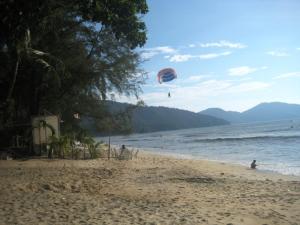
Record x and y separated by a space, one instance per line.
151 189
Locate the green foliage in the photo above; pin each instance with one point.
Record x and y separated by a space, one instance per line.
65 147
118 120
67 56
60 147
92 146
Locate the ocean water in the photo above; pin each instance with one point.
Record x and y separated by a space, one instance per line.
275 145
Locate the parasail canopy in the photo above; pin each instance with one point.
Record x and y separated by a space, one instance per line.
166 75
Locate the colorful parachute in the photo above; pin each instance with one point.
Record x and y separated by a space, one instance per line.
166 75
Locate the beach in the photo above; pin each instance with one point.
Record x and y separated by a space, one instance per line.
151 189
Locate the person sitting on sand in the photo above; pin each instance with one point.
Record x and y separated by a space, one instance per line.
253 164
125 153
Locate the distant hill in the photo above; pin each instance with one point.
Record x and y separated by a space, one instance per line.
262 112
232 116
150 118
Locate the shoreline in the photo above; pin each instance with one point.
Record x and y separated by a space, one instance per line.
237 169
152 189
240 166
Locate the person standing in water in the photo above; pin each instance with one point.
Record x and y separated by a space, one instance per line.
253 165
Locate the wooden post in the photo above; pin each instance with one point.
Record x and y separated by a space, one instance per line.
72 146
109 146
40 141
84 151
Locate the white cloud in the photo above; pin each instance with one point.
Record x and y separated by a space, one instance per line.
240 71
181 58
192 80
192 45
164 49
298 48
223 44
213 55
186 57
215 87
278 53
243 70
151 52
288 75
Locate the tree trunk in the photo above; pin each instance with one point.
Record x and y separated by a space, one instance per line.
13 83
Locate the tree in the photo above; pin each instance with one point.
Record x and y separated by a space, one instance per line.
55 53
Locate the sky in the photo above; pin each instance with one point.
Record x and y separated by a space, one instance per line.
229 54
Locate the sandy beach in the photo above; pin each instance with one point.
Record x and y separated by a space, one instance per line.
151 189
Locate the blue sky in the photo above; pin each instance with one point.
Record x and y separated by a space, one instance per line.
230 54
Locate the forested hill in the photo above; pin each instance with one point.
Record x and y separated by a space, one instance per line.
150 118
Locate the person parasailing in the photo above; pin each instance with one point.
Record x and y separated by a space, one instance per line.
166 75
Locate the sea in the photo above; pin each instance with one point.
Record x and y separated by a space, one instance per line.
274 145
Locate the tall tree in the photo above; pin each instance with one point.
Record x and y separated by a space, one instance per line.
55 53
